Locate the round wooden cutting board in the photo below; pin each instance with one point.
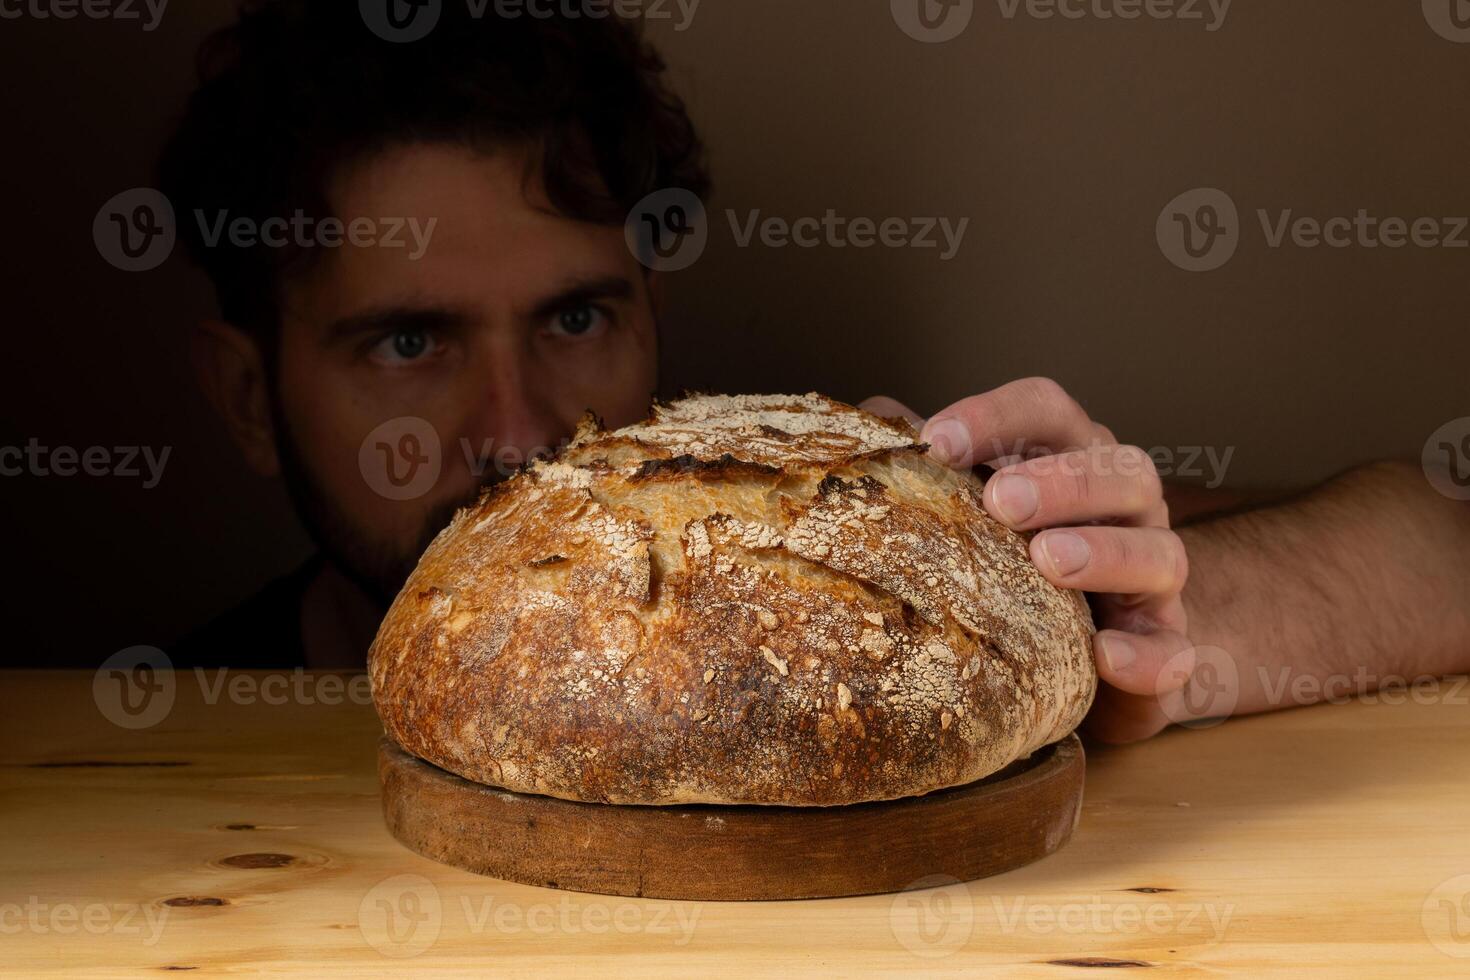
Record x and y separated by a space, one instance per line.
737 853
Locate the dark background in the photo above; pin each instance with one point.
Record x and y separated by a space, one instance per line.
1061 141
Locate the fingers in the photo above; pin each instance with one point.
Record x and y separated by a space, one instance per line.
1103 529
1117 483
1129 561
1118 718
1063 474
1150 665
1144 613
1014 419
1155 680
1142 677
890 408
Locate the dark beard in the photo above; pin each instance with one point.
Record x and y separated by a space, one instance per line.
376 567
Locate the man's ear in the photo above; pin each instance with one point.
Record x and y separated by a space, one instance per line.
232 371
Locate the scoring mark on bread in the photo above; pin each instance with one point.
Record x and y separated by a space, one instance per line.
806 556
727 467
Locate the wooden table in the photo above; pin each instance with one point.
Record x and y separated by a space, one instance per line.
239 832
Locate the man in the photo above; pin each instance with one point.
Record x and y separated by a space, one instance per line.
519 142
523 143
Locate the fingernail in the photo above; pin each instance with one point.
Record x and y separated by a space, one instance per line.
948 439
1067 552
1117 652
1014 497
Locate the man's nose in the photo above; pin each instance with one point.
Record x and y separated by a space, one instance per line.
515 420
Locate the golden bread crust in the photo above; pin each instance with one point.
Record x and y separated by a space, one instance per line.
744 599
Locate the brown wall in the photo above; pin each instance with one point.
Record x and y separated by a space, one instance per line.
1060 140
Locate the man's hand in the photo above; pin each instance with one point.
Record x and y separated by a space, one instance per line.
1103 528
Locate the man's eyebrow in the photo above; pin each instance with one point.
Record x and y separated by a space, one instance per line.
393 318
584 291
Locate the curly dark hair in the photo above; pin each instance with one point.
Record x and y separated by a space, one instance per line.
297 89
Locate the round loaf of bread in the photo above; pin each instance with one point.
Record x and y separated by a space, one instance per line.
744 599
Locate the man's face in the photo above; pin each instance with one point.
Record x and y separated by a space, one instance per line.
511 324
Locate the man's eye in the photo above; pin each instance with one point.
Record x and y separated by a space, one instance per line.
576 321
403 346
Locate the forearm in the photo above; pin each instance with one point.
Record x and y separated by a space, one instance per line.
1361 583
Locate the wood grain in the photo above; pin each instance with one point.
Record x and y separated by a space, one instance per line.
737 853
1326 841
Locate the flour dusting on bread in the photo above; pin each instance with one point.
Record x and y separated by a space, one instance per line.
744 599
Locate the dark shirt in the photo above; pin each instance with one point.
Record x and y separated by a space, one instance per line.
261 633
